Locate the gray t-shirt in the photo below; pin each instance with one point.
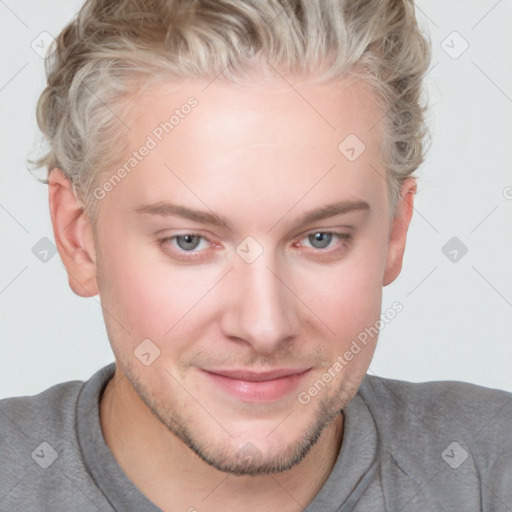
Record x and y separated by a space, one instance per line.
438 446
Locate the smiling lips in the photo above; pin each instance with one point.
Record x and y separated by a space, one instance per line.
250 386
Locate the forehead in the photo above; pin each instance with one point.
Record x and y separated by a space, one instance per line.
291 108
262 144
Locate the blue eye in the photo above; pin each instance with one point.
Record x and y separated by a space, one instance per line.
325 239
188 242
185 247
320 240
194 247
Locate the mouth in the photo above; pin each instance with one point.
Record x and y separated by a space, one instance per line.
262 386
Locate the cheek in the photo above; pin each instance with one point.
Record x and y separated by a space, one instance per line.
346 300
347 296
151 298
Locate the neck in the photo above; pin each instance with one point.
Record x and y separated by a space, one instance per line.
173 477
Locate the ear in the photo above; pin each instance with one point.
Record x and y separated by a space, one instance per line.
73 235
398 233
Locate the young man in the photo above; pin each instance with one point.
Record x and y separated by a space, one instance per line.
235 180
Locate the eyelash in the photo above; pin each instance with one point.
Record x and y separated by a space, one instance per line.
344 238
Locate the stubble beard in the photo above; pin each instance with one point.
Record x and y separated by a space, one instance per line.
249 460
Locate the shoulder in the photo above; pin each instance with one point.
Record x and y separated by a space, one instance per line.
41 463
449 405
455 433
447 409
50 408
33 429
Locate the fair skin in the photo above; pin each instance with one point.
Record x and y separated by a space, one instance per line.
186 429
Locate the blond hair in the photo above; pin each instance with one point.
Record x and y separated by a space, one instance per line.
111 49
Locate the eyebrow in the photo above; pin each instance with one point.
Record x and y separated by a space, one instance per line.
166 209
331 210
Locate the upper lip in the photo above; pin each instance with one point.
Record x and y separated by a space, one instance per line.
259 376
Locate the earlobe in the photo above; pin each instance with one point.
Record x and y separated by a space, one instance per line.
398 234
73 235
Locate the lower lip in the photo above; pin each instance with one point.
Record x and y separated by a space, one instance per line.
262 391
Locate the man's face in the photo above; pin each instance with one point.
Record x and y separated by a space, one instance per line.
249 312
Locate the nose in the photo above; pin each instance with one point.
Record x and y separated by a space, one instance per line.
262 310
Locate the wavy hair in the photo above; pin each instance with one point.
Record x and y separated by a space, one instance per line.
112 48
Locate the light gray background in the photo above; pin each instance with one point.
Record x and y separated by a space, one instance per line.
456 323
